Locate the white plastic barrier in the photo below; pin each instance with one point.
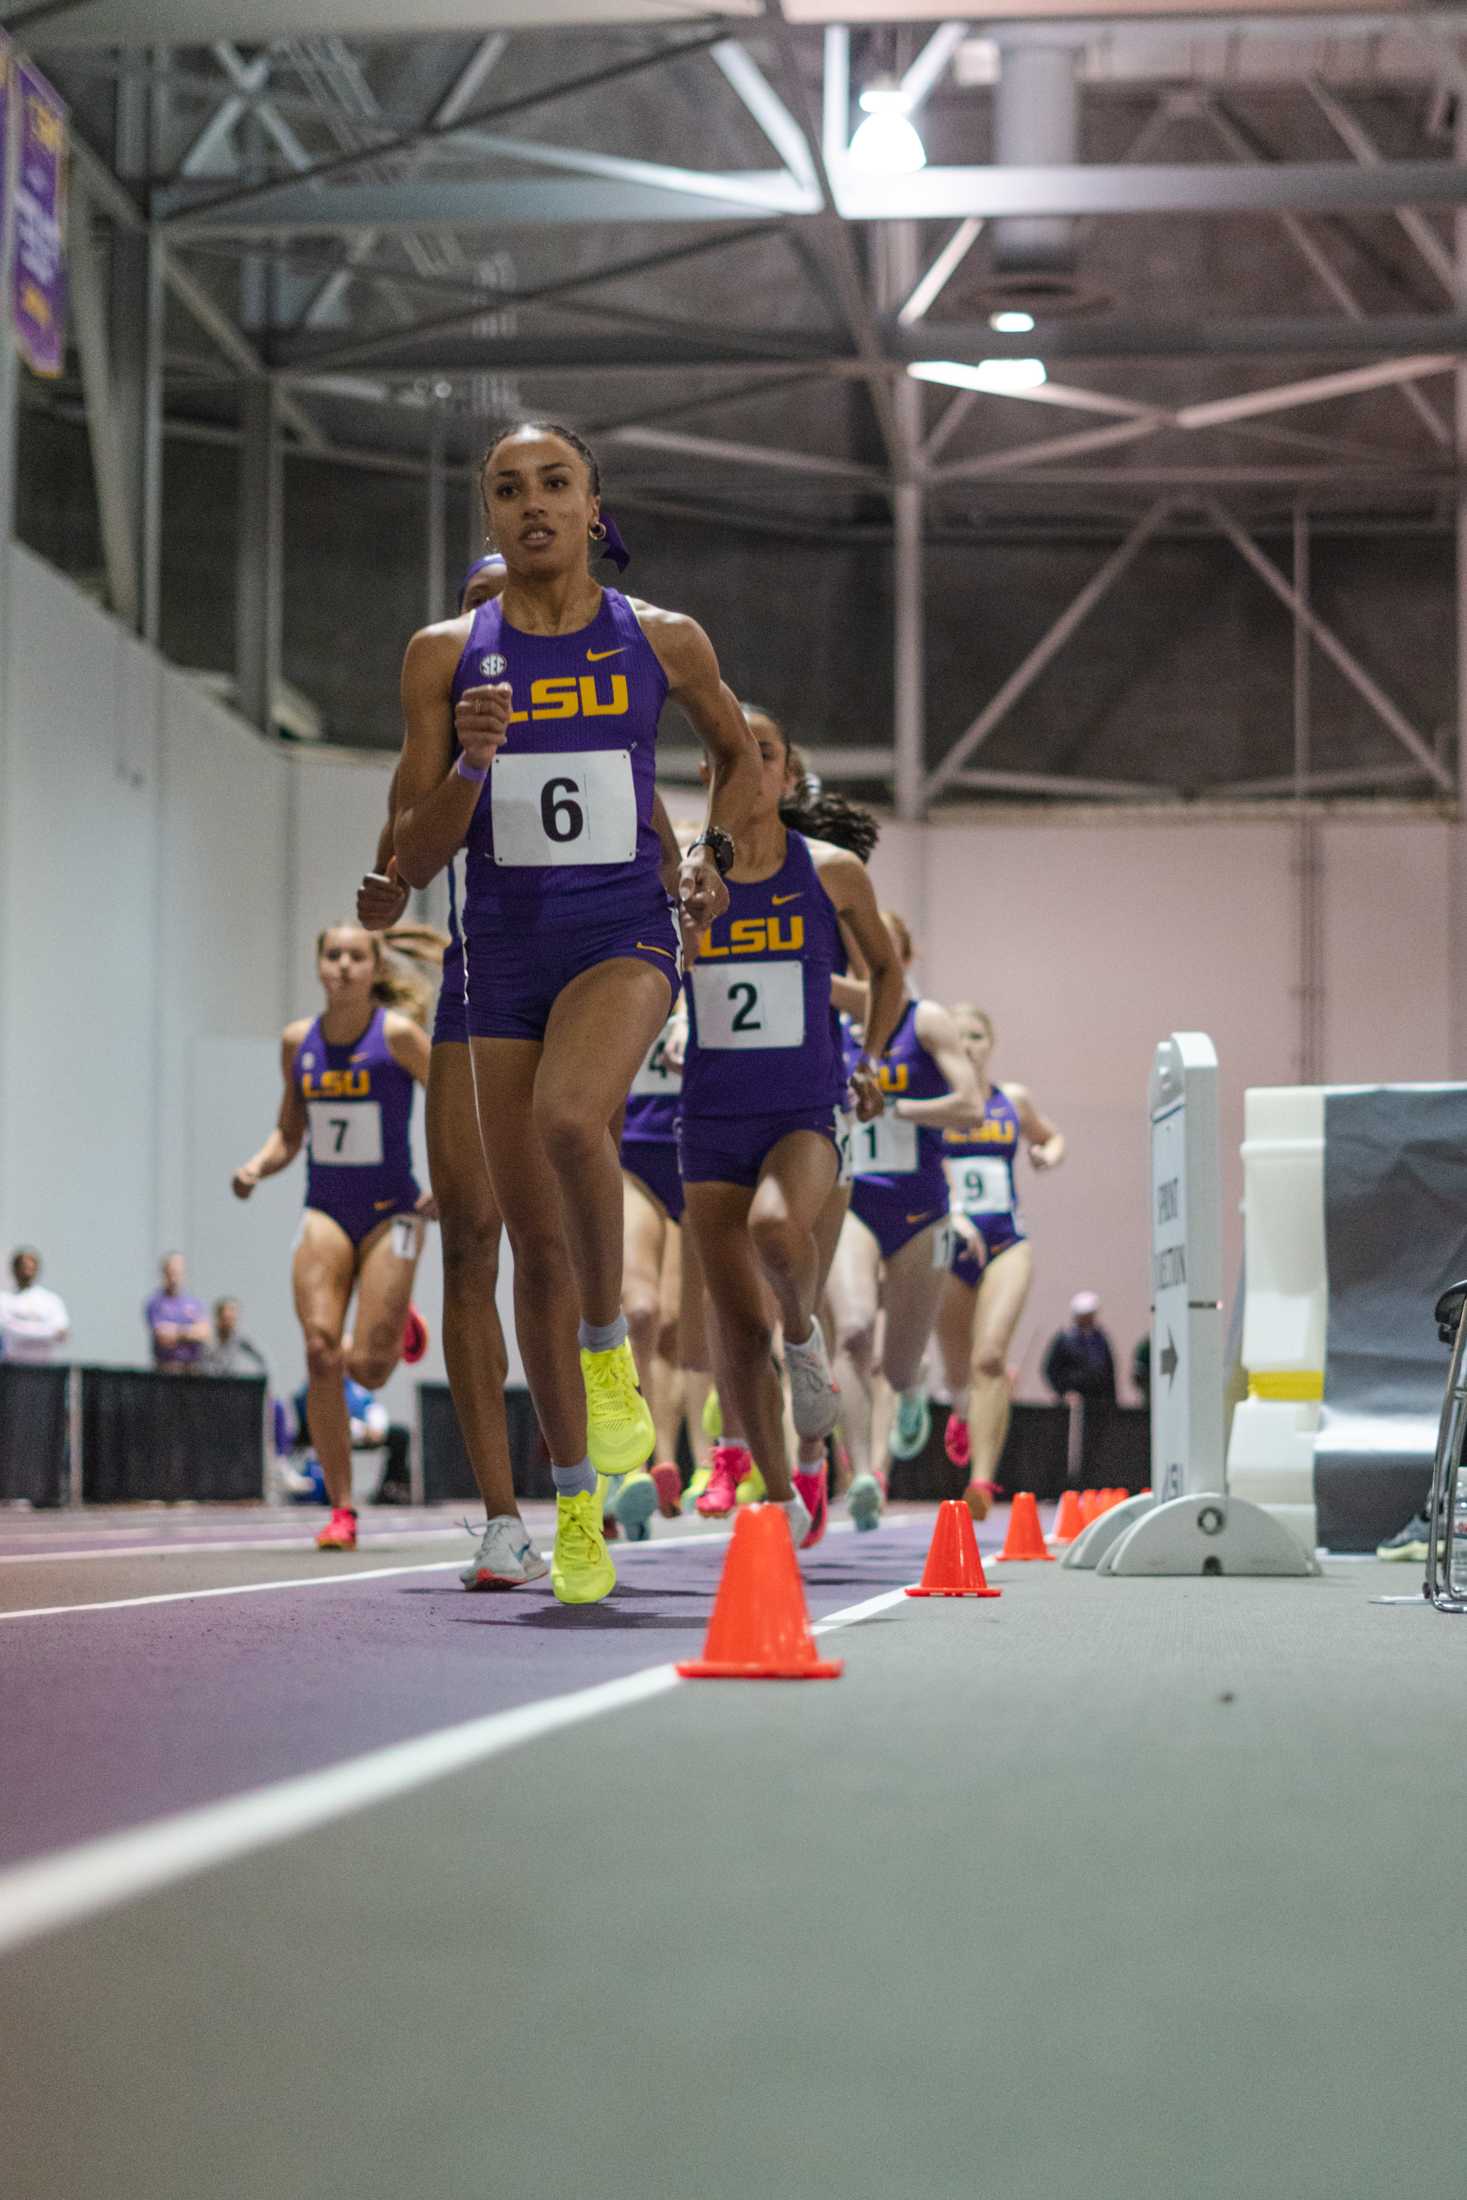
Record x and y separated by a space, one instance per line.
1191 1521
1271 1451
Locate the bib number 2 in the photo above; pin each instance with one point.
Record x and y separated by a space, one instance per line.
762 1005
554 810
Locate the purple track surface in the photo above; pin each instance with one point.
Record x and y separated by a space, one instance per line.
111 1718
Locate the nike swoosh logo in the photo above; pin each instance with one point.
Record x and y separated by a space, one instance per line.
595 656
647 948
379 1204
779 900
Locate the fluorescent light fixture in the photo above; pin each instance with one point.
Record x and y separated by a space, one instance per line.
1011 322
886 142
997 377
883 95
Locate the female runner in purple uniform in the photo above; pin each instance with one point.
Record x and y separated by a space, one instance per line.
349 1080
893 1251
992 1262
572 949
762 1083
468 1220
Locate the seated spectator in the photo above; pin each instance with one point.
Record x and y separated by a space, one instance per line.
1078 1363
230 1353
1141 1370
34 1323
177 1321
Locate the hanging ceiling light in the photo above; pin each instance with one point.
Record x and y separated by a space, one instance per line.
1011 321
886 142
996 377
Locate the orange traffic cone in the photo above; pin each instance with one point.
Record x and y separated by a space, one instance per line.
1114 1498
759 1629
954 1567
1025 1538
1089 1507
1070 1520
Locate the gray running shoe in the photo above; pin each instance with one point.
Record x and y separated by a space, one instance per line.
865 1499
1411 1543
506 1557
814 1399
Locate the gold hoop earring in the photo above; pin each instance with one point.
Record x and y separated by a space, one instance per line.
597 531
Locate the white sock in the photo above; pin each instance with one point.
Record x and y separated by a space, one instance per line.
814 1344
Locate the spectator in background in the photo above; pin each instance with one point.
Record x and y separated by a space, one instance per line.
1141 1370
34 1323
177 1321
230 1353
1079 1363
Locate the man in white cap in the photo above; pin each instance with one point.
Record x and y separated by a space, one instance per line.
1078 1363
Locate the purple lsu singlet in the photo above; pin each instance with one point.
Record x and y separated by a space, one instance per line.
358 1104
563 832
891 1154
762 1039
980 1164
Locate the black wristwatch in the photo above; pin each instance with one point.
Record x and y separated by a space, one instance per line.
719 845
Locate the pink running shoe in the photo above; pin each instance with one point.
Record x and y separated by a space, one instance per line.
956 1442
669 1490
340 1531
729 1465
810 1487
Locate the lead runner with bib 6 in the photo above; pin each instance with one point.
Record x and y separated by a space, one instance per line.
572 948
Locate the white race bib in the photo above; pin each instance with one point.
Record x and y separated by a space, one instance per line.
754 1004
886 1147
654 1080
554 810
346 1134
978 1187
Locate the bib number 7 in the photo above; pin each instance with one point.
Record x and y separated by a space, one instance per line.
575 807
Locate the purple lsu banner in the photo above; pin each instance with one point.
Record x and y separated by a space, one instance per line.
38 299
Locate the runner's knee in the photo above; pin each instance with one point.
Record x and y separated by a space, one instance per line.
778 1241
988 1362
470 1252
324 1356
571 1136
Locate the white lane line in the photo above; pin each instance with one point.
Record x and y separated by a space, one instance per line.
97 1876
710 1536
203 1549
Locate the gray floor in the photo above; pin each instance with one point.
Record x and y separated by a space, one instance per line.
1108 1889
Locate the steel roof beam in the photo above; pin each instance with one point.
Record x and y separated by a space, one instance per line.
433 133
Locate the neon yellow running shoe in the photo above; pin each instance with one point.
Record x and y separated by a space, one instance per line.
751 1491
619 1433
712 1417
581 1571
696 1488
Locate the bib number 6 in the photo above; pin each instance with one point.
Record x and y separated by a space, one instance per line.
561 815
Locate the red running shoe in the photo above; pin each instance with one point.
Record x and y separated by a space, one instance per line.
729 1465
811 1488
669 1490
340 1531
414 1337
956 1442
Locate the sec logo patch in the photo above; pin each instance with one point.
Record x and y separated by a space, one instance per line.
493 667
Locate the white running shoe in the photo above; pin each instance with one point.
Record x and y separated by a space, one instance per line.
797 1513
506 1557
814 1399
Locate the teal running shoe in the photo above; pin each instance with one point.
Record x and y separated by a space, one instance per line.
913 1425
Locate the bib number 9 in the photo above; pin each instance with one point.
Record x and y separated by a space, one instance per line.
980 1187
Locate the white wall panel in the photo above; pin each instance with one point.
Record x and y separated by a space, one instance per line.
78 1040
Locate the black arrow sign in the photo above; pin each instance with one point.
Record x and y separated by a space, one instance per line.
1170 1360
